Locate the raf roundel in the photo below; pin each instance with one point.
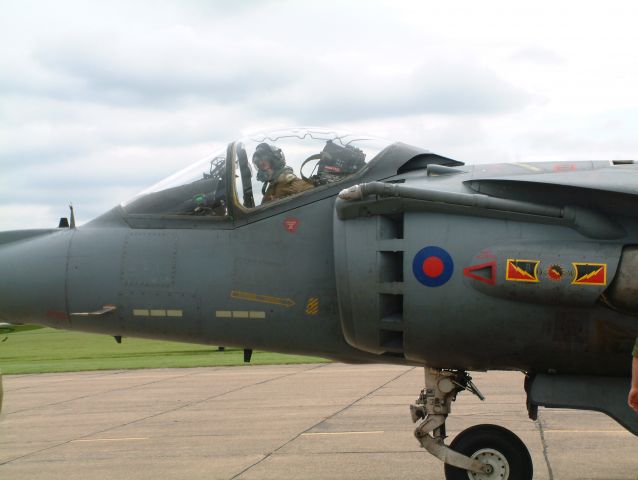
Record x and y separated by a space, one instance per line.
432 266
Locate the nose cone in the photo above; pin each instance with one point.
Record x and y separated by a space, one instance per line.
32 281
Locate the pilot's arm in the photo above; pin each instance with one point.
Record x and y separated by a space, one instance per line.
287 184
633 392
292 184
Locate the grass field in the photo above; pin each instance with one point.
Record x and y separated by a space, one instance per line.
28 349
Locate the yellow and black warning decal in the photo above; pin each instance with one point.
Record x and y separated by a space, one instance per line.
312 306
521 270
589 273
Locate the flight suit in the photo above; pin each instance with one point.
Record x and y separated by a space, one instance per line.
287 183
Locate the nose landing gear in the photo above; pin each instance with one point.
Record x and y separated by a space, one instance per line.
482 452
495 446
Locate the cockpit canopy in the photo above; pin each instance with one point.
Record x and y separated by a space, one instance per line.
302 160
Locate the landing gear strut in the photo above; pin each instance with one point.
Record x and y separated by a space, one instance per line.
482 452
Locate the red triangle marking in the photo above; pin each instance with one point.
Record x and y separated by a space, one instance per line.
491 279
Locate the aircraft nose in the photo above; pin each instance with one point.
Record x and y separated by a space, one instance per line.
32 280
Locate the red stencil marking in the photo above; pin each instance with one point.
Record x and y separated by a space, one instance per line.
291 224
484 272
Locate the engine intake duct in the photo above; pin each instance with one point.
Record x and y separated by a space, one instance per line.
355 202
622 294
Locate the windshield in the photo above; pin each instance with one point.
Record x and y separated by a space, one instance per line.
275 165
199 189
267 167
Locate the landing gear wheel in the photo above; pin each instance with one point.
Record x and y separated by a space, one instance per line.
498 447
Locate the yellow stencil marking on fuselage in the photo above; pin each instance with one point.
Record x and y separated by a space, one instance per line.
240 314
529 167
156 312
253 297
312 307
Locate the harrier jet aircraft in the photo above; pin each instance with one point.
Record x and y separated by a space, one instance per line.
360 250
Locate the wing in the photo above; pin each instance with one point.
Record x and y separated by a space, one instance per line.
586 200
611 190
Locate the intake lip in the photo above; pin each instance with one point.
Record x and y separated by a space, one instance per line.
33 281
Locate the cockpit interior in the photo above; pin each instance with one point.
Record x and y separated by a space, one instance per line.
206 188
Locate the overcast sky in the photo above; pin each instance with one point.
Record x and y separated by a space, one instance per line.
99 100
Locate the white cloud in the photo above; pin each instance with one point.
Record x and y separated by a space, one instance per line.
537 55
365 91
18 216
101 99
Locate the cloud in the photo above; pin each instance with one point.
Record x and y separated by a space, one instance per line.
98 100
538 55
17 216
249 61
355 92
93 181
41 131
159 68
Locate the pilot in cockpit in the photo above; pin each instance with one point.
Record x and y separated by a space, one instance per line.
279 179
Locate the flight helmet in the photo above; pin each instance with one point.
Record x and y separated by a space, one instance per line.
274 155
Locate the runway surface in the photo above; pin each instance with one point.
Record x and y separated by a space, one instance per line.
328 421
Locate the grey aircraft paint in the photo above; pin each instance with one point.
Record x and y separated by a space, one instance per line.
423 261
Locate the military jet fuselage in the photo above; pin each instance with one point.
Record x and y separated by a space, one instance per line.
394 255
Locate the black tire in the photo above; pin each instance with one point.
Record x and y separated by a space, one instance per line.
502 441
